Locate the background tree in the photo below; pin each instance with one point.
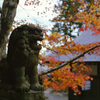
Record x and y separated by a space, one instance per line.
63 24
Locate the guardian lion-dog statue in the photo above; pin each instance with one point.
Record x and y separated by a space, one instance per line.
19 69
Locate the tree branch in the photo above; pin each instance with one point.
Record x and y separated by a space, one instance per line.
67 62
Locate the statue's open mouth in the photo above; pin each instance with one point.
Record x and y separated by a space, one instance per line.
36 40
39 43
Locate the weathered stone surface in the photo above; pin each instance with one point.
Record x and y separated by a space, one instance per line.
31 95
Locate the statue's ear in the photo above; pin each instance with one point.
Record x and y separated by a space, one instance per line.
21 28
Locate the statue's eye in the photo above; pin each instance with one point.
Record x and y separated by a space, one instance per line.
38 30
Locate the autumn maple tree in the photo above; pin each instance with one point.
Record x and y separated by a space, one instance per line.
87 14
61 75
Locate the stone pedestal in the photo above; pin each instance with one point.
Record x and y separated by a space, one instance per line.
11 95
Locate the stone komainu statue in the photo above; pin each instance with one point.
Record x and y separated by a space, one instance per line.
22 60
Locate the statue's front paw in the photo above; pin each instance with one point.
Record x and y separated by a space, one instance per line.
22 88
37 87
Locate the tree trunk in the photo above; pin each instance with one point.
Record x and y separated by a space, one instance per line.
8 13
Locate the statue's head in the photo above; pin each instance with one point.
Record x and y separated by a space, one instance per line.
32 32
25 36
